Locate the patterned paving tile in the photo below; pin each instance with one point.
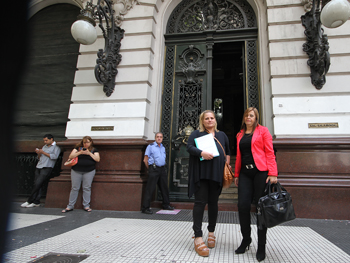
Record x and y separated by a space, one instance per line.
143 241
18 220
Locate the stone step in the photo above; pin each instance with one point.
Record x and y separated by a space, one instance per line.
233 189
230 193
233 197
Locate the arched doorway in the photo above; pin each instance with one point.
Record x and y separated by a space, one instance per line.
211 63
46 88
45 91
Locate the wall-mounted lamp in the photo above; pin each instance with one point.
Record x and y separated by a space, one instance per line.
83 31
334 14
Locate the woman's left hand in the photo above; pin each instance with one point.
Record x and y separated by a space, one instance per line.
272 179
86 152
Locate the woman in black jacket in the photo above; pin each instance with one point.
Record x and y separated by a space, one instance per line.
205 179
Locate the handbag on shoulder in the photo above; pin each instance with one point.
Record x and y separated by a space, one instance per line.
275 207
228 176
71 162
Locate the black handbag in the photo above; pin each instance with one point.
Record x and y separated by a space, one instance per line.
275 207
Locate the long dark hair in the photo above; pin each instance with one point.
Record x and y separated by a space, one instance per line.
245 114
81 143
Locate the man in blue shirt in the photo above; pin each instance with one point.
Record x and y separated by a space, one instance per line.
155 163
47 158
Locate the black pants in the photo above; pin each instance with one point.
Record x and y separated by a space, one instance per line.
156 176
41 175
251 186
208 193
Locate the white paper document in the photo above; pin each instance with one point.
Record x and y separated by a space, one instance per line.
207 143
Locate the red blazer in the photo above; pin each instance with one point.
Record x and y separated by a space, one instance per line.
262 150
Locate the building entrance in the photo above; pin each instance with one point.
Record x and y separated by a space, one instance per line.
228 88
207 66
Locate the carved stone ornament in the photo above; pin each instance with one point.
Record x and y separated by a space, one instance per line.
307 5
121 11
121 8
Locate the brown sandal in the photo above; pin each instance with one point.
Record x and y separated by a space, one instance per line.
200 249
211 241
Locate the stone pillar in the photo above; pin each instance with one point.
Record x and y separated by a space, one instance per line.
119 180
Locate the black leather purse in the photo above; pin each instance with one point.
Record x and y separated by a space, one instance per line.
275 207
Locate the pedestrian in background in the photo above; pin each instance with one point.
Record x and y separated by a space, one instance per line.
155 162
83 172
255 166
205 179
47 158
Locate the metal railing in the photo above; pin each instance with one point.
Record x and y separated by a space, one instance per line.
25 164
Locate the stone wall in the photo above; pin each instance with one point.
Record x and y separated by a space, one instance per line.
296 102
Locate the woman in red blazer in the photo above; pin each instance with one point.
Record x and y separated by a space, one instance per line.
255 166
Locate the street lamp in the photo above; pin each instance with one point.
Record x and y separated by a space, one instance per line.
83 31
334 14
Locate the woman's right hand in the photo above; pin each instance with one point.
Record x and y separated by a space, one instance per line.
74 154
236 181
207 155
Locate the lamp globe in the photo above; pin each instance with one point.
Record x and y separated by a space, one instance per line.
84 32
335 13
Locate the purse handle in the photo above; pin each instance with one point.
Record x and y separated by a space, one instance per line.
277 186
221 146
219 143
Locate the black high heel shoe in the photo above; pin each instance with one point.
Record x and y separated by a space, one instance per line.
260 254
244 246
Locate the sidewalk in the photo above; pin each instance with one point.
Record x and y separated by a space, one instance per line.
109 236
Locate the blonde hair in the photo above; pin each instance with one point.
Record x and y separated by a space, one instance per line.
245 114
201 127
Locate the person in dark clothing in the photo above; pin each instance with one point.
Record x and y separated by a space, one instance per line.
47 158
255 166
205 179
83 172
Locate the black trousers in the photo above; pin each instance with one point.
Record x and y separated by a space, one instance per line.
208 193
251 186
41 175
156 176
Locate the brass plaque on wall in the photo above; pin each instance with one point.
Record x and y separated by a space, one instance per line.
324 125
102 128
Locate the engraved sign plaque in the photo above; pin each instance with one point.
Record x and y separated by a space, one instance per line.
323 125
102 128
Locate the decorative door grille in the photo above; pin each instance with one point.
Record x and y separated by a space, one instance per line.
197 16
188 71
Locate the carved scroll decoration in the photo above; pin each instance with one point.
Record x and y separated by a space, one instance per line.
127 5
316 46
